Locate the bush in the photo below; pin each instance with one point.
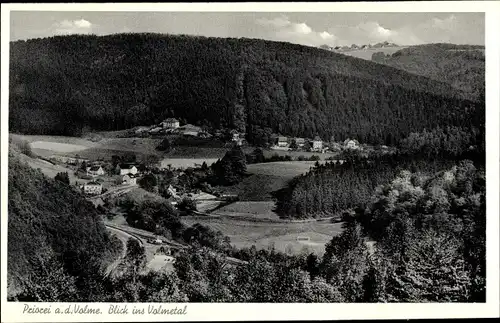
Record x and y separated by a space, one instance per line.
62 177
187 204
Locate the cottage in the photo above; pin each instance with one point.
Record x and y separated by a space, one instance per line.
95 171
125 169
129 179
300 142
351 144
170 123
317 144
282 141
92 188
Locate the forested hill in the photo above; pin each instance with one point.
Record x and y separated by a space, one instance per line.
56 240
64 84
462 66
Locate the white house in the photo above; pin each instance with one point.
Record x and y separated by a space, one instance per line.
95 171
282 141
317 144
351 144
170 123
92 188
125 169
129 179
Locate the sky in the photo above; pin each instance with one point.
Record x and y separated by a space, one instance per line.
311 29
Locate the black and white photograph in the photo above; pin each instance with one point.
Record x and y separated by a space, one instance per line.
177 157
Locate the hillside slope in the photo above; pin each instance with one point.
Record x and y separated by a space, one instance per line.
67 83
56 239
461 66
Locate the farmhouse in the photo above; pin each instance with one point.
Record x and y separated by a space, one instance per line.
351 144
95 171
125 169
282 141
300 142
317 144
170 123
92 188
129 179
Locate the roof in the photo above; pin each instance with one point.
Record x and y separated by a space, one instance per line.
317 138
93 183
170 120
95 168
300 139
126 166
282 138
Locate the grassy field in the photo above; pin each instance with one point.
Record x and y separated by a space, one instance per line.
266 178
282 235
367 53
254 209
287 169
49 169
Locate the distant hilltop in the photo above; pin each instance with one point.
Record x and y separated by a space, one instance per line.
358 47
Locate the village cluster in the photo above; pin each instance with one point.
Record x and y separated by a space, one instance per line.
101 176
172 126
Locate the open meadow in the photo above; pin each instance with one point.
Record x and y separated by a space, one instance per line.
367 53
288 237
266 178
249 209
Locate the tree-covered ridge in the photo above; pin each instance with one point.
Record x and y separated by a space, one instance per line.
431 236
56 241
462 66
119 81
331 188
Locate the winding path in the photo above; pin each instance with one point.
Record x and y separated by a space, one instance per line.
123 236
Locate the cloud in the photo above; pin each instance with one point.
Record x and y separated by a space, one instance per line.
67 27
449 23
326 35
282 29
432 30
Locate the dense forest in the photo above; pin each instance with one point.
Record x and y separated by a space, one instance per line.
461 66
72 84
329 189
420 238
57 244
